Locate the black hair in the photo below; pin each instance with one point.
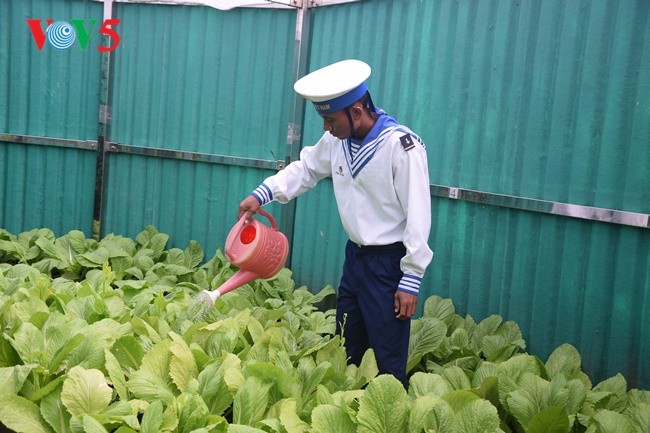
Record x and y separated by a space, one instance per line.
367 104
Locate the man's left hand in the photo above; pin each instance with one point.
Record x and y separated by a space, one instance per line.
405 305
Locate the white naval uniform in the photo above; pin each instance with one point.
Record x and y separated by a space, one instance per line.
382 192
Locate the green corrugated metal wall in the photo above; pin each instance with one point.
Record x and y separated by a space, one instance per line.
200 80
46 93
543 99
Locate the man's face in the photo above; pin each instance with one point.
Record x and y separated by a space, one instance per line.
337 124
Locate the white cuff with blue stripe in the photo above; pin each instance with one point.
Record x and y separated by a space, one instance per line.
263 194
410 284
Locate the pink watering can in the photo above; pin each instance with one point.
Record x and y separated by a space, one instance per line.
258 250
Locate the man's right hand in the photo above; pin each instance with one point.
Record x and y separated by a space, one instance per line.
248 206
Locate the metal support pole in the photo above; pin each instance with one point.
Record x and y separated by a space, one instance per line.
103 134
295 125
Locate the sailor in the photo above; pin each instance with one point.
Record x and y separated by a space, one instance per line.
381 184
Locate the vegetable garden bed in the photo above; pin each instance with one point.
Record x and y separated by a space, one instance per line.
105 336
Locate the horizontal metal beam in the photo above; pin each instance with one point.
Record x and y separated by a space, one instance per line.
591 213
543 206
49 141
223 5
144 151
195 156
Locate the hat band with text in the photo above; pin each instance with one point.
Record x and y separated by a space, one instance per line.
340 102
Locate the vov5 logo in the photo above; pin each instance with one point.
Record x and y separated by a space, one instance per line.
62 34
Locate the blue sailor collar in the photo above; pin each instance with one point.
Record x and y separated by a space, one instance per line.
383 122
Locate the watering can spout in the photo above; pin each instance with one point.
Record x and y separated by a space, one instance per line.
240 278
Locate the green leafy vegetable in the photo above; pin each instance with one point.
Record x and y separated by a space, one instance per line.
85 392
106 336
383 407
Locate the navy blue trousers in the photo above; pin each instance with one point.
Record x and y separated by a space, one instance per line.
365 307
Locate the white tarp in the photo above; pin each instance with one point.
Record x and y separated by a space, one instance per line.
231 4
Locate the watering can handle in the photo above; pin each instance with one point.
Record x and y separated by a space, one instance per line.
268 216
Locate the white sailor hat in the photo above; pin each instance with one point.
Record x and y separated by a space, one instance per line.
336 86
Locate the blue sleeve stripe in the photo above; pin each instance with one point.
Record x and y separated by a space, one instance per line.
257 197
410 284
263 194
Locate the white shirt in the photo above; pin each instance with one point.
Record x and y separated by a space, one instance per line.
382 192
